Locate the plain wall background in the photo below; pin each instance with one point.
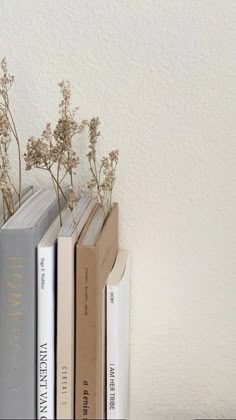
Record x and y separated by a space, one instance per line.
161 74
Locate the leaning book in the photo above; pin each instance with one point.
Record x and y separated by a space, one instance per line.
19 238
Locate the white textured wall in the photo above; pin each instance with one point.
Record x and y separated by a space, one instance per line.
161 74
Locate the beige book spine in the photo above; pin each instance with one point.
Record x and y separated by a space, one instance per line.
65 330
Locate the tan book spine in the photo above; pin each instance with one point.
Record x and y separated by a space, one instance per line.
86 336
93 264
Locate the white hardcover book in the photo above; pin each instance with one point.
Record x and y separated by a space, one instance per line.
46 332
46 363
117 338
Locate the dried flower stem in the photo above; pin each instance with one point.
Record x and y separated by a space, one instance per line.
97 181
14 132
7 131
58 191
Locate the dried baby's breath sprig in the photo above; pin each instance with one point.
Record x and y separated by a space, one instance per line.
7 132
103 177
53 150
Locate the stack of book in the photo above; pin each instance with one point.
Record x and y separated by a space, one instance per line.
64 312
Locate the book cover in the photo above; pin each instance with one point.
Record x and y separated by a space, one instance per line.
93 264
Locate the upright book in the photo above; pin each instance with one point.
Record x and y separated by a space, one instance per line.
67 238
19 238
95 255
117 338
46 344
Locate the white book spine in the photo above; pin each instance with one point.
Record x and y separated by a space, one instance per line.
117 345
46 333
112 352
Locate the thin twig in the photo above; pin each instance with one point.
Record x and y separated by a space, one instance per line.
19 154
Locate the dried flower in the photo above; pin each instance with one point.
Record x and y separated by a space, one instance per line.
7 132
53 150
103 178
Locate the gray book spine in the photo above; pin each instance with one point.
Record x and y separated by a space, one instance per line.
18 319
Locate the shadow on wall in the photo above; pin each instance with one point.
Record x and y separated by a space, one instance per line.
163 412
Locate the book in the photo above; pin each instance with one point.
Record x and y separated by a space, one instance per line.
46 344
95 256
117 338
19 238
67 238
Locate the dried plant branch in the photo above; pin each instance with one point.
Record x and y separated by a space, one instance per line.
53 150
7 131
14 132
103 178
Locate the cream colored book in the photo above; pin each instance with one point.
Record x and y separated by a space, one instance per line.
67 239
